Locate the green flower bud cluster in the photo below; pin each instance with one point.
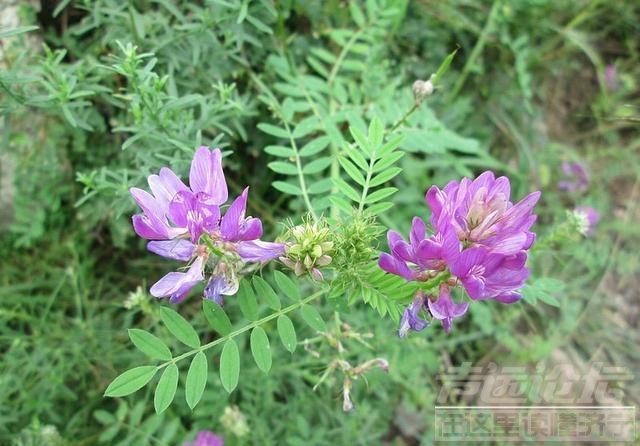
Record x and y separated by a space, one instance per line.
355 244
308 249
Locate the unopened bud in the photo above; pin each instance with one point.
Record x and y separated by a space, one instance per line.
317 275
347 404
235 421
421 89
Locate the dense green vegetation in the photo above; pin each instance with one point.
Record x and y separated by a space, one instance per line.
97 95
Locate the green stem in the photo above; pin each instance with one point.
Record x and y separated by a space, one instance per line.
301 180
292 141
345 50
475 53
403 119
335 163
239 331
365 188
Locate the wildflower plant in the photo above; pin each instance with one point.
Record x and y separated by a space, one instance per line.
262 151
336 158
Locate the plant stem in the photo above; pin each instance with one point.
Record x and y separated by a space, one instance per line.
292 141
475 53
404 118
247 327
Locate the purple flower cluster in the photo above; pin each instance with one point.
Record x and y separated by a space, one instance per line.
575 178
480 241
186 223
206 438
591 218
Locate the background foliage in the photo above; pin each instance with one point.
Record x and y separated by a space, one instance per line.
103 93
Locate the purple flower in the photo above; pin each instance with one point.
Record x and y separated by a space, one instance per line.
206 438
223 282
481 214
445 310
186 223
591 217
486 275
611 78
480 242
177 285
411 260
411 319
575 179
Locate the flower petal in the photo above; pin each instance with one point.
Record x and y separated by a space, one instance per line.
259 251
176 285
418 231
411 319
147 229
206 174
178 249
250 229
508 298
219 285
180 206
165 186
394 266
444 309
230 225
155 216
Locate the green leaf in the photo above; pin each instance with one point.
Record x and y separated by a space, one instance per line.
317 65
264 290
15 31
149 344
387 161
179 327
543 289
217 318
347 190
315 146
286 285
324 55
230 365
376 133
354 65
196 379
166 388
316 166
306 126
287 188
283 167
352 171
247 301
444 66
273 130
104 417
341 204
356 14
260 349
130 381
320 187
380 194
390 145
378 208
360 139
281 151
384 176
357 158
287 333
109 434
311 316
